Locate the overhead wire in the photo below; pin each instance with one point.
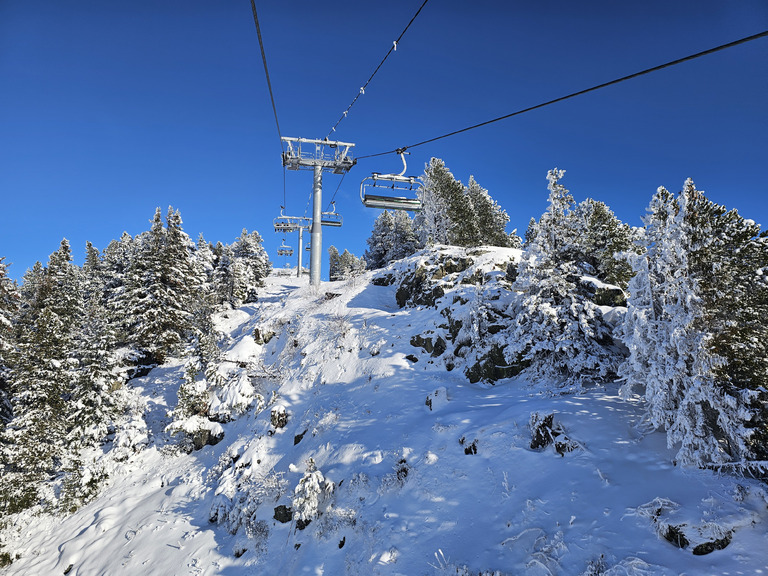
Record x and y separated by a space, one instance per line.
392 48
574 94
269 85
330 204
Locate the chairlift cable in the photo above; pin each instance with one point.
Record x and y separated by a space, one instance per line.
337 189
362 89
269 85
579 93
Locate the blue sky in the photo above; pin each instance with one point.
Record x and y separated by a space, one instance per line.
111 109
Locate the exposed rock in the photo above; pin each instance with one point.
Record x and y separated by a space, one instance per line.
493 366
439 347
298 438
301 524
205 437
417 290
676 536
708 547
420 341
283 514
384 280
262 336
412 358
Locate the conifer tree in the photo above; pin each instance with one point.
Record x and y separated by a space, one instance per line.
696 345
230 283
492 220
33 445
160 287
441 195
392 238
557 332
116 263
601 240
381 240
530 232
9 305
334 264
254 261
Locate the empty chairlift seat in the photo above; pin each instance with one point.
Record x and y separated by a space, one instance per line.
331 218
391 191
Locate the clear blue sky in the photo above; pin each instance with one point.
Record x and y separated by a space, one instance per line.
110 109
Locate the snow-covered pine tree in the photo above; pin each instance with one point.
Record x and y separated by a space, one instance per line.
556 331
492 219
94 280
254 260
205 261
230 284
118 256
601 241
95 404
33 446
530 232
381 241
351 265
160 287
442 197
405 241
334 264
392 238
696 345
721 417
9 306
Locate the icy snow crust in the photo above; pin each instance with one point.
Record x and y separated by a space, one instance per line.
399 489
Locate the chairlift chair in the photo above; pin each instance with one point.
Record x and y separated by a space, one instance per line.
331 218
285 223
396 183
284 250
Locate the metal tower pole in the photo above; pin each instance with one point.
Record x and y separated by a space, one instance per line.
316 248
301 249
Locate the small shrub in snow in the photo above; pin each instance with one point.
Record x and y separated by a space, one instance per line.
310 494
545 431
279 417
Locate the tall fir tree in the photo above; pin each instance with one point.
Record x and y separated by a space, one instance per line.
230 283
492 220
557 332
440 195
9 306
160 287
334 264
254 260
696 345
116 263
392 238
33 447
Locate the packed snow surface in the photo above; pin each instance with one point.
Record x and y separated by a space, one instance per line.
402 467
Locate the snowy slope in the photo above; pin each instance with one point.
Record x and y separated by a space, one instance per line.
420 472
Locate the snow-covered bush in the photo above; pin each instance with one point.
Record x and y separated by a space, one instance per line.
310 494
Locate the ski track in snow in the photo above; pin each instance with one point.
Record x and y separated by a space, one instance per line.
362 406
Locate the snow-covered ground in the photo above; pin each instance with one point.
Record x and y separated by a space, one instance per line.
421 472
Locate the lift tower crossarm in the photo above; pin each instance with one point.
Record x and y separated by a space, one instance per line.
308 153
